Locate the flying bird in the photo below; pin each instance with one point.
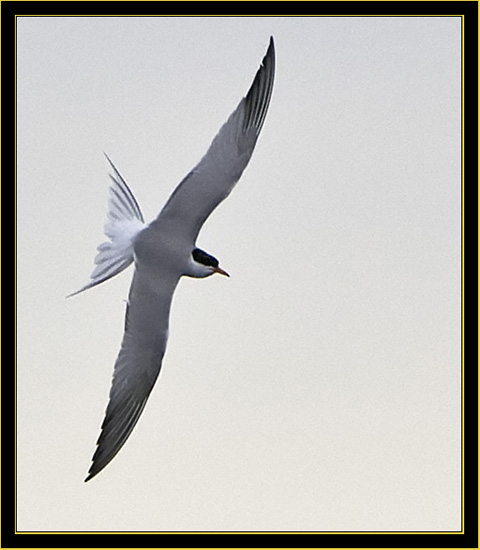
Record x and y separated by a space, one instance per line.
164 251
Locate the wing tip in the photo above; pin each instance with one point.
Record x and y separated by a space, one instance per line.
97 465
259 95
271 43
271 48
94 469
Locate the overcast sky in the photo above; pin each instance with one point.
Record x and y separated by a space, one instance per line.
319 387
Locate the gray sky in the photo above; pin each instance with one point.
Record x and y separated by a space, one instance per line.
319 387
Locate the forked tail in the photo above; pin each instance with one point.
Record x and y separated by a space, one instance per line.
124 222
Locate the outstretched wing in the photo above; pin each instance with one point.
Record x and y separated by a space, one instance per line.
138 363
211 181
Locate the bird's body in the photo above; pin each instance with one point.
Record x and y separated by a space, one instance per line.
163 252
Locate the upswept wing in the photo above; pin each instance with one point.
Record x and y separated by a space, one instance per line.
138 363
211 181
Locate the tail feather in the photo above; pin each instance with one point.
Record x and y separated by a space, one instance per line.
124 222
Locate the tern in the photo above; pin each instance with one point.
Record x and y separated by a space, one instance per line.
164 251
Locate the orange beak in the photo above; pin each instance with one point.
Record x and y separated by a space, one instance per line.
220 271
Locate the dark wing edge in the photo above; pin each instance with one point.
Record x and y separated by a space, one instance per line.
258 97
137 366
214 177
116 429
128 396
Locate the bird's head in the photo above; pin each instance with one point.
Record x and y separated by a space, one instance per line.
203 265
